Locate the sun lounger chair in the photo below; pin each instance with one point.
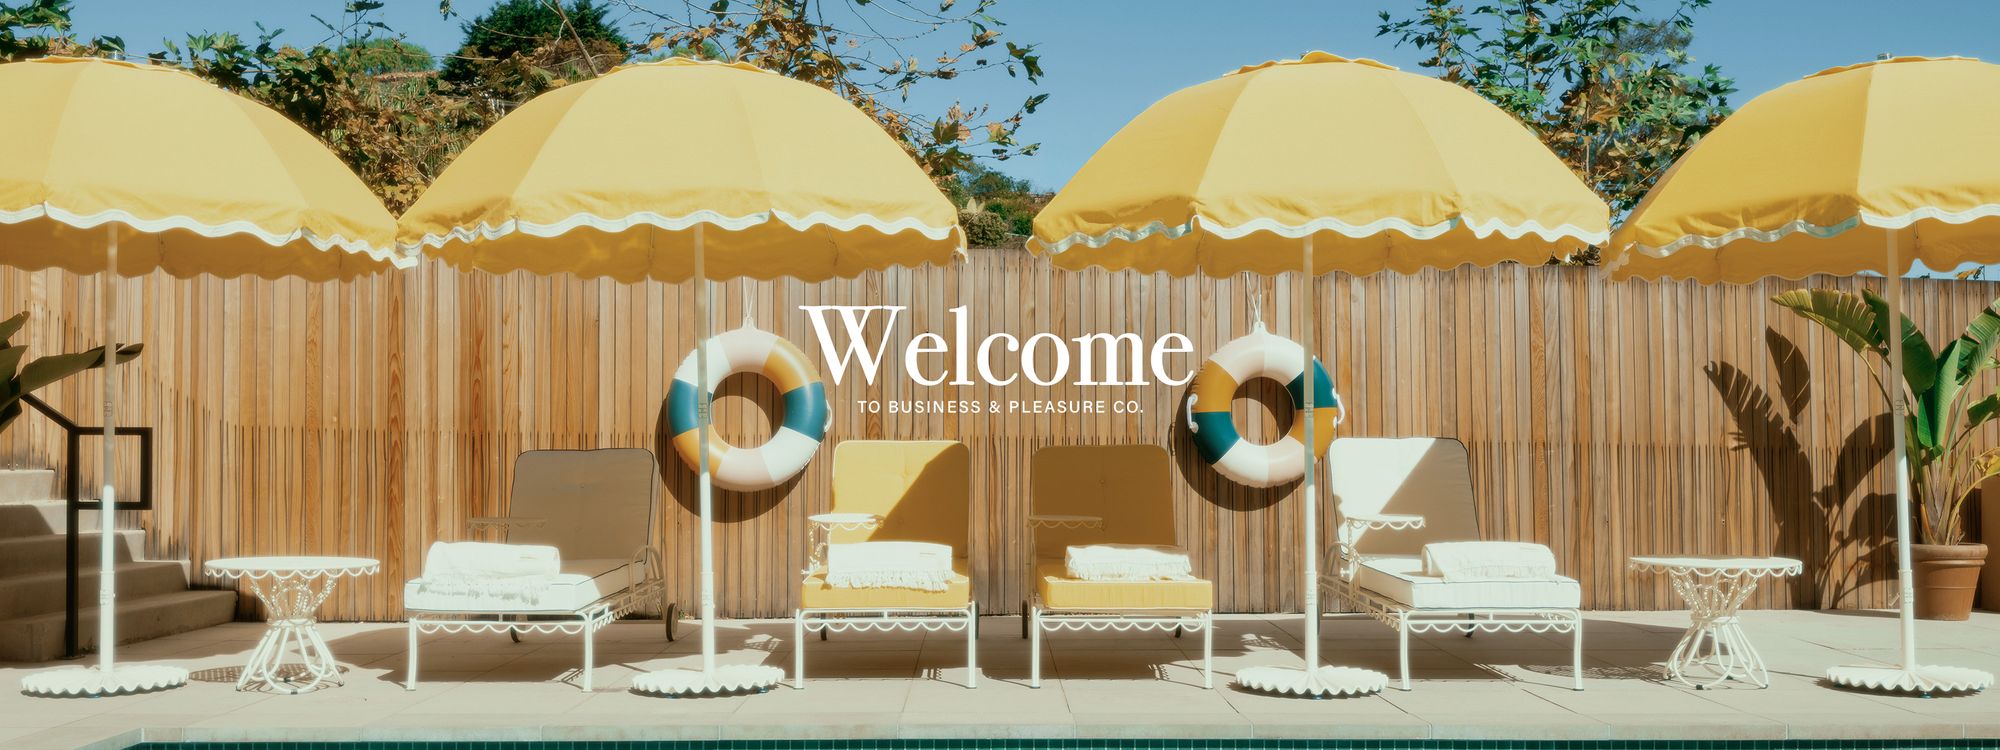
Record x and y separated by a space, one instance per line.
893 491
1110 494
598 509
1417 491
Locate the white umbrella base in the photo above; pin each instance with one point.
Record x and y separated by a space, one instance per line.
728 679
91 681
1325 682
1921 678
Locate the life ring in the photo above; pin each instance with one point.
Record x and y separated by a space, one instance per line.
782 457
1260 354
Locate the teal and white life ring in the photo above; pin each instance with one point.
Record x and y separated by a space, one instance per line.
1261 354
748 349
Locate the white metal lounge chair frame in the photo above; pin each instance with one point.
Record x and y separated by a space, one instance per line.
824 620
584 621
1042 618
1405 619
837 620
1121 620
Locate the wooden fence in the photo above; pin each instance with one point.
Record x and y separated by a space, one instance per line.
1606 420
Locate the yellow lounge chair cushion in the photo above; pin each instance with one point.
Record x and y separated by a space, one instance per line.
814 593
1059 591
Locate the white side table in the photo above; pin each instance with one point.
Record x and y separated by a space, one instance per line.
1714 588
291 589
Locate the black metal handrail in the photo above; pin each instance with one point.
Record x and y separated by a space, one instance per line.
74 504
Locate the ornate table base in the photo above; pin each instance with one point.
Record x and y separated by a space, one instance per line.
291 589
1715 649
294 630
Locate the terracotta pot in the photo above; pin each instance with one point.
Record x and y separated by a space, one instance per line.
1947 577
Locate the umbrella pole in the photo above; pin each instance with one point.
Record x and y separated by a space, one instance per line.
1899 412
707 484
711 679
107 514
1311 489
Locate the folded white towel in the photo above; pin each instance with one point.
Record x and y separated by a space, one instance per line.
1460 562
1128 562
516 571
905 565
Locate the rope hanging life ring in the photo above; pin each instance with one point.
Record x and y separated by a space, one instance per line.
748 349
1260 354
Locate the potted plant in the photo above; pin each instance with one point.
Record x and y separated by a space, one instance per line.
18 380
1946 414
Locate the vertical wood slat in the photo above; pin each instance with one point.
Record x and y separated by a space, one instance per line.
373 417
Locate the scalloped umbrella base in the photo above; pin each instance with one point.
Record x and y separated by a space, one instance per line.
1922 678
91 681
729 679
1325 682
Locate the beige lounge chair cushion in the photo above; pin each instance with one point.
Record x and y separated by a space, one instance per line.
580 583
1401 578
815 593
1061 592
1428 477
592 504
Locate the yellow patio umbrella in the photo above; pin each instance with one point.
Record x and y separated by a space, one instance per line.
1382 169
1852 169
115 167
678 170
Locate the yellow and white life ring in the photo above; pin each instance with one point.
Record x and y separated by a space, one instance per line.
782 457
1260 354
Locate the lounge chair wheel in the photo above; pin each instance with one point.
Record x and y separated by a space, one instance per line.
822 634
672 620
1177 628
514 634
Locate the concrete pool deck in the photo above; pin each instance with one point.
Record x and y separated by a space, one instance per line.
874 685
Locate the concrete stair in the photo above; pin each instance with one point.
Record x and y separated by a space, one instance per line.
153 595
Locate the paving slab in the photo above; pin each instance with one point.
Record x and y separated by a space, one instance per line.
1107 685
1629 725
948 725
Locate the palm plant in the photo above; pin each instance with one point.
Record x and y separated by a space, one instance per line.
1945 463
18 380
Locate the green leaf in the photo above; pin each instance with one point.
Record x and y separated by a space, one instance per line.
1919 360
1981 339
10 361
1936 403
1846 315
50 369
1982 410
11 326
1924 426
